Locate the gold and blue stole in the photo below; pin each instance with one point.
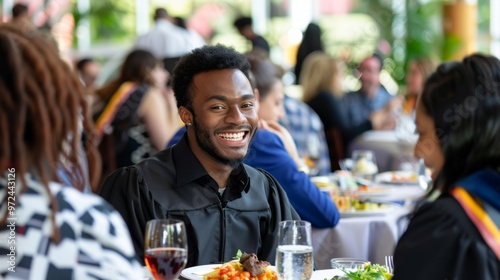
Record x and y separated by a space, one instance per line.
485 185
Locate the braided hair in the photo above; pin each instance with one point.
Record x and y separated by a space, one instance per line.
42 111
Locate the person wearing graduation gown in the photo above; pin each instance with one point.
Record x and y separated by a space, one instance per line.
226 205
456 236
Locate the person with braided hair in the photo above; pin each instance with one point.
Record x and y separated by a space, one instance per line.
49 230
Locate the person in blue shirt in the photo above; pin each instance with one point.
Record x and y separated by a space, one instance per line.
308 134
372 96
272 149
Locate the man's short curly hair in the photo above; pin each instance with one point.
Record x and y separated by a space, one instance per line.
204 59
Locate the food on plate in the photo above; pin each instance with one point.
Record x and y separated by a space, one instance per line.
368 272
343 202
325 183
348 203
363 189
398 177
365 166
358 205
248 267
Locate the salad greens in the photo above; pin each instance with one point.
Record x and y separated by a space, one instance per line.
238 255
369 272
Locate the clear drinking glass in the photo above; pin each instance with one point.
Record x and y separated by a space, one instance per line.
365 165
294 255
165 248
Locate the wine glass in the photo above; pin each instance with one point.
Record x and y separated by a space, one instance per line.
165 248
294 255
365 165
312 153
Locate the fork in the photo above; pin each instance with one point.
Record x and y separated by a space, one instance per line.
389 263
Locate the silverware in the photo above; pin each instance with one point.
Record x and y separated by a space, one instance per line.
389 264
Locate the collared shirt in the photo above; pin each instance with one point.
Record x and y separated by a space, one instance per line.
174 184
307 131
360 107
167 40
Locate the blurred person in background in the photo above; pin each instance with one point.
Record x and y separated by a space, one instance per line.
245 28
21 17
311 42
419 70
135 118
321 81
456 236
60 233
308 133
88 70
372 96
196 38
166 40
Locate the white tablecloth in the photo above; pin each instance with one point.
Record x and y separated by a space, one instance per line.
371 237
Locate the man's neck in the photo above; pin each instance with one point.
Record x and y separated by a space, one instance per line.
371 92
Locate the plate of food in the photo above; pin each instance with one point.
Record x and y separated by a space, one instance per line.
325 183
397 177
373 191
251 266
359 208
197 272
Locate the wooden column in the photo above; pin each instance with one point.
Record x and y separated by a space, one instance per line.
460 29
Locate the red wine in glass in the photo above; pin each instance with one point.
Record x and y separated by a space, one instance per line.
166 263
165 248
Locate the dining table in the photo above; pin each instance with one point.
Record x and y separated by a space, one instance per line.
370 236
391 147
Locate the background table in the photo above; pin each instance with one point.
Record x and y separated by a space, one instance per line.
390 147
371 237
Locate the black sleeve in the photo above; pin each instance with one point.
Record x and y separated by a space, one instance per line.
281 210
126 190
442 243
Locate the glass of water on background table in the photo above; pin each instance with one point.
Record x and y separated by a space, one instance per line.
294 255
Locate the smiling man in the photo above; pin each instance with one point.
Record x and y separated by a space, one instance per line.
226 205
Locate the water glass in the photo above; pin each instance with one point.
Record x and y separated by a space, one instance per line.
365 164
294 255
165 245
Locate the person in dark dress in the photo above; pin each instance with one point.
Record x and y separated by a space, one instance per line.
226 205
456 236
311 42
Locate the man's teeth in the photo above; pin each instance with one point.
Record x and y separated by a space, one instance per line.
232 136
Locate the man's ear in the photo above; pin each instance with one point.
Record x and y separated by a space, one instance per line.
256 94
186 115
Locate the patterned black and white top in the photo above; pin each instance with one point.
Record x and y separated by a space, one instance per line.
95 242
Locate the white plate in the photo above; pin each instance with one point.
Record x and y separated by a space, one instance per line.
375 191
397 177
196 272
367 213
324 183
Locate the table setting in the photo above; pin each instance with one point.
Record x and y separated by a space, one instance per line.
296 258
373 205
